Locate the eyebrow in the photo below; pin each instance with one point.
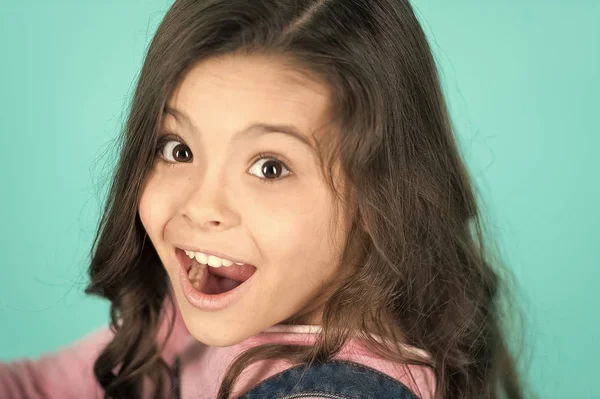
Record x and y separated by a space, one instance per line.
257 128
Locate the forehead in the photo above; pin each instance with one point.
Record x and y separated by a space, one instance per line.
234 90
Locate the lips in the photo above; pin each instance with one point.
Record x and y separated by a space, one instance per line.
215 293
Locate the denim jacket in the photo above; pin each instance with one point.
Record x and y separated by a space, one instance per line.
335 379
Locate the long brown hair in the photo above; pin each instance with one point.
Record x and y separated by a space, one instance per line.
424 269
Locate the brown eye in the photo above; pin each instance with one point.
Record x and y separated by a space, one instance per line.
270 168
174 151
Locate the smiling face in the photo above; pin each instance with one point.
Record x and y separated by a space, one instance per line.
255 195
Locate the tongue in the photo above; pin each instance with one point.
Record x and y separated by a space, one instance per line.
239 273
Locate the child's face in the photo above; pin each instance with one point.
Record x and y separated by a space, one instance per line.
224 201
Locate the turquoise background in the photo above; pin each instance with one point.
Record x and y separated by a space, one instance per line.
522 79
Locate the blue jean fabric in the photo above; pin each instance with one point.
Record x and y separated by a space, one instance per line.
335 379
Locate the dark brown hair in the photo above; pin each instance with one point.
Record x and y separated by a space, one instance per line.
416 237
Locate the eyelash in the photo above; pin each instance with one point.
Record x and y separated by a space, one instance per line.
165 138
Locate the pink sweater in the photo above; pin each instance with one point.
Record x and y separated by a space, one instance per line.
68 373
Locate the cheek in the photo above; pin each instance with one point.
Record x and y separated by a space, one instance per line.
297 243
153 207
301 262
293 227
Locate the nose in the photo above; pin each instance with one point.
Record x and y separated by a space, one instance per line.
207 206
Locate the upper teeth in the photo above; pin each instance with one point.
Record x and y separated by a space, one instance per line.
210 260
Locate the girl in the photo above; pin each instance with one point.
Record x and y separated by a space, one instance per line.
290 217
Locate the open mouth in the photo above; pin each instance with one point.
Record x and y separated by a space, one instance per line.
211 280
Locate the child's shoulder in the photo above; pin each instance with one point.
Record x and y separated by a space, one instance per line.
354 359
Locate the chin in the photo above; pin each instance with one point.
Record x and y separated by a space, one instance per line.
212 329
216 337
